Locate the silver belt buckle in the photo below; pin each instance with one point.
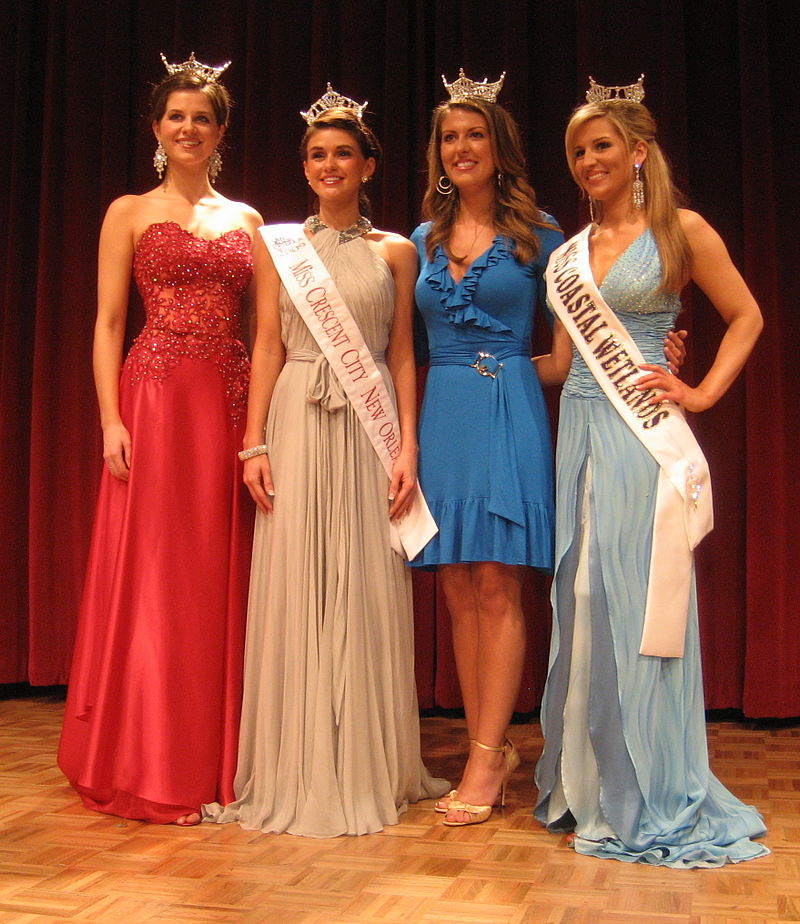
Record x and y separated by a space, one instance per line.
490 368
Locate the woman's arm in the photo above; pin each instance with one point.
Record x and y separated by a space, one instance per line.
402 260
553 367
267 362
714 272
115 260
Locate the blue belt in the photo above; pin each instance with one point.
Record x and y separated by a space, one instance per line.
505 493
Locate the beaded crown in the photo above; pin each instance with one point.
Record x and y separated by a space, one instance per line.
463 89
598 93
330 99
193 66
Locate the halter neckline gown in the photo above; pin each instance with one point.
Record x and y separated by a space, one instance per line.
329 741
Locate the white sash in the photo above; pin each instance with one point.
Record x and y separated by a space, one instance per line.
684 512
327 317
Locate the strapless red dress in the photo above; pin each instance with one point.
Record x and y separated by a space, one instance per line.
151 724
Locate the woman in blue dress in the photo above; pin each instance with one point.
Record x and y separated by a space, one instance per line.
485 452
625 763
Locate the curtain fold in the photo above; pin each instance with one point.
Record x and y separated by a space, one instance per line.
77 83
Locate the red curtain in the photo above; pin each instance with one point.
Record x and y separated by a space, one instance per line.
720 77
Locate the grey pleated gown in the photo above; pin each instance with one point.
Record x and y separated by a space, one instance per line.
329 740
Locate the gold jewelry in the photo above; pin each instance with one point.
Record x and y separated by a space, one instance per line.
330 99
193 66
481 228
597 93
246 454
463 89
214 165
444 185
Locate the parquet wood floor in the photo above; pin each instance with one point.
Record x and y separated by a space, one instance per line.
60 862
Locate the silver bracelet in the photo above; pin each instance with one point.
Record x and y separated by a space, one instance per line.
261 450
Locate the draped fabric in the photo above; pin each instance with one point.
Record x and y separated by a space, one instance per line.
719 78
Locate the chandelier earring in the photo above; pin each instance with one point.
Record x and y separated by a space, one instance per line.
160 160
214 165
638 189
444 185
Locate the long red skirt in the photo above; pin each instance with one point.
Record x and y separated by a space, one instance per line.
151 724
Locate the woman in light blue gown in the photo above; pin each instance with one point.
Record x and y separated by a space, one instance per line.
625 763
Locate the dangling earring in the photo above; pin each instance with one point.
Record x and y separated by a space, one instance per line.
638 189
499 179
591 210
444 185
160 160
214 165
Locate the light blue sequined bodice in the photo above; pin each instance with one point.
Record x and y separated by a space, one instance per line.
631 291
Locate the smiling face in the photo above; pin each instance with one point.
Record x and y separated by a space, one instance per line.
601 161
334 164
465 149
188 129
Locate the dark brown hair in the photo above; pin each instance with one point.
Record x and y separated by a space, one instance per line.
347 121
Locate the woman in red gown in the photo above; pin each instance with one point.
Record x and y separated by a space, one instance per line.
151 722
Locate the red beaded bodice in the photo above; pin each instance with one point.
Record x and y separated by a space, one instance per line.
192 288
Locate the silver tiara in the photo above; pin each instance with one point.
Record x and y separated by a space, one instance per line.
598 93
463 89
330 99
193 66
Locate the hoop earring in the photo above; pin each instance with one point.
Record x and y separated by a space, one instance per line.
160 160
638 188
214 165
444 185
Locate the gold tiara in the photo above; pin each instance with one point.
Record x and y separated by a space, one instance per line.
193 66
463 89
330 99
598 93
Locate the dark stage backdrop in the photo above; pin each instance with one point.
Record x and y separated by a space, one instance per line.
721 78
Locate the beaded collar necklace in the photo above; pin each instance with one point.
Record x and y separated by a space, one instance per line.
359 228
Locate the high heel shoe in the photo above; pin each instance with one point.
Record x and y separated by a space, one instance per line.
480 813
443 805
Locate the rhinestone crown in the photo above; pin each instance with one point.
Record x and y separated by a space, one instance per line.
463 89
330 99
633 92
193 66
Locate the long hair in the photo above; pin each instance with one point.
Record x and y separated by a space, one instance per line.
516 213
347 121
634 123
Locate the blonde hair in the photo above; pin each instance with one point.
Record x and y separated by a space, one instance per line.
634 123
515 211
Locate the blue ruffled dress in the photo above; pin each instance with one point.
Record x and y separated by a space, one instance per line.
625 762
485 450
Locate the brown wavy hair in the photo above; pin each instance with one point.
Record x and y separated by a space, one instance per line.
634 123
516 213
